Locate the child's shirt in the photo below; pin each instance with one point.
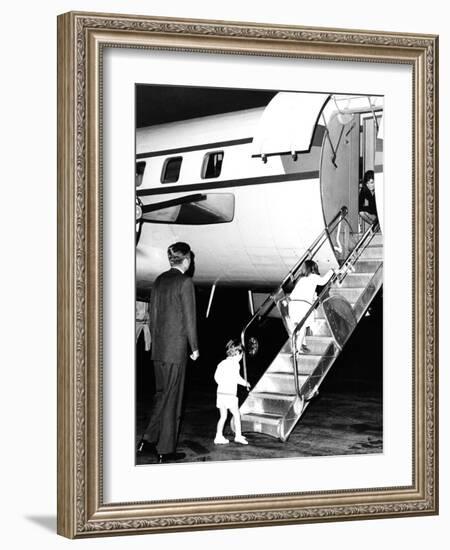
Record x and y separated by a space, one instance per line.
227 375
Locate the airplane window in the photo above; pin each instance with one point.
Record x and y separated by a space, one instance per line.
199 209
140 169
212 165
171 170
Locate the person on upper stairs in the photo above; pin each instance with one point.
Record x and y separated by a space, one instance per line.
367 203
303 296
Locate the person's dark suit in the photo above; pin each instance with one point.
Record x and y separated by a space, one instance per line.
173 328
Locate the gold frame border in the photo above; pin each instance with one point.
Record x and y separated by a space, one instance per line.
81 37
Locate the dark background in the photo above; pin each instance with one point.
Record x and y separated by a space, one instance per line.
159 104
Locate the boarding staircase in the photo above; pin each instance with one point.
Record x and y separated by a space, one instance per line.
282 394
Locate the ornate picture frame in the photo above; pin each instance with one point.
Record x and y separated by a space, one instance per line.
82 38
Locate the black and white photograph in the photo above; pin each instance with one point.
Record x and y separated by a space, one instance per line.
224 223
247 331
259 274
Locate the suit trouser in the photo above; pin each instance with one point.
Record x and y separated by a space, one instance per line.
166 411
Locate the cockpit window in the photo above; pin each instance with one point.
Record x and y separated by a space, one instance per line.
196 209
140 169
171 170
212 165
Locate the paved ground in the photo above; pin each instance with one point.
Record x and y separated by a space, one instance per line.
334 424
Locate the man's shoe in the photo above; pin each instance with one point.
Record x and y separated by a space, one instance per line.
170 457
145 447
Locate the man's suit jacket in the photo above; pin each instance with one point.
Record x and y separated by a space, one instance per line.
173 321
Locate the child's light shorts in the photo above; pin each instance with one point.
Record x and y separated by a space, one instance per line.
226 401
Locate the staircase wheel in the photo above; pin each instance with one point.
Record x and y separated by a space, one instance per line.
314 393
299 405
281 432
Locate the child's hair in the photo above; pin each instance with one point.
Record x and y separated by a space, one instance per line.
233 347
308 267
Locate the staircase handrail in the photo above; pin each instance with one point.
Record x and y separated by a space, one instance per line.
356 252
349 262
270 301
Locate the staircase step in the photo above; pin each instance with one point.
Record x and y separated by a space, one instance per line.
282 362
268 403
270 395
320 328
353 280
306 363
366 266
376 239
262 423
279 382
286 349
350 294
372 252
320 344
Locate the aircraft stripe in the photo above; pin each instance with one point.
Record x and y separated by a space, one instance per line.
228 183
194 148
316 141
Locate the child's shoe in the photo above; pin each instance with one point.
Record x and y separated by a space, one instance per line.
241 439
220 440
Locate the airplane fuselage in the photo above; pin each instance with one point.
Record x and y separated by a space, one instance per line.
247 216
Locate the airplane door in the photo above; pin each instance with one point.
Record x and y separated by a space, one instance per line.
339 171
371 148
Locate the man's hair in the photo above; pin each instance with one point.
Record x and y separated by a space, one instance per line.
233 347
369 175
178 252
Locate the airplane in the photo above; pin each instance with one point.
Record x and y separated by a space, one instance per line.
255 192
250 190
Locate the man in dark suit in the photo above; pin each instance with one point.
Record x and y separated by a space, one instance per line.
173 328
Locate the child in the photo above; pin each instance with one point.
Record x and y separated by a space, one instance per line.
227 377
303 296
